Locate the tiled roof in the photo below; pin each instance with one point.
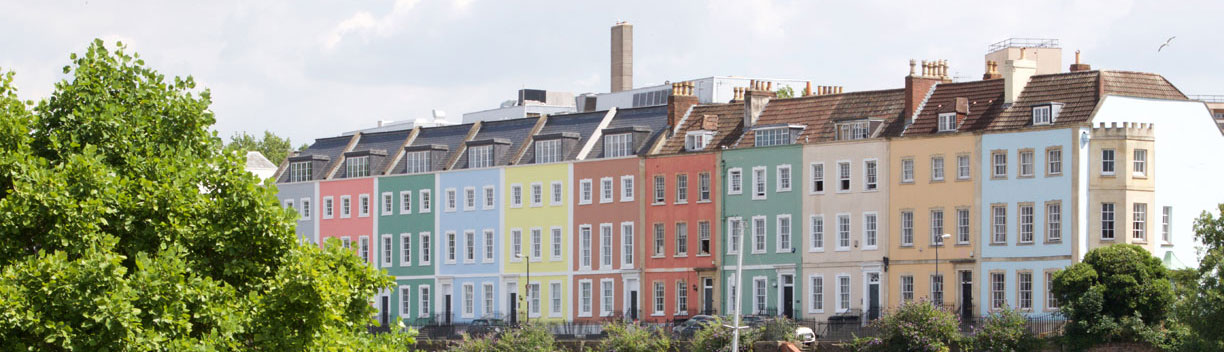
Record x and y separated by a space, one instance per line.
819 113
985 100
516 131
730 118
654 118
450 136
583 123
387 142
1079 93
332 148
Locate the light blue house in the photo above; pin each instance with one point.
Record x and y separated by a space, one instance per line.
1027 216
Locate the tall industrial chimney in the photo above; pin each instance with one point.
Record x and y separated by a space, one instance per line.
622 56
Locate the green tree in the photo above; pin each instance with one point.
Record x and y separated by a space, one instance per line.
1200 292
528 338
625 337
1117 293
123 227
271 146
1005 330
914 326
785 92
716 336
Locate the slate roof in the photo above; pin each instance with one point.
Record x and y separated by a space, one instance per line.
985 104
332 148
386 142
517 131
450 136
653 117
1079 92
819 113
582 123
730 117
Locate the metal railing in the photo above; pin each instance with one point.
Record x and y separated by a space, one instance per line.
1208 98
847 330
1022 43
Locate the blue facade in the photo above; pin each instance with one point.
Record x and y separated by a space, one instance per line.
1027 192
301 197
473 220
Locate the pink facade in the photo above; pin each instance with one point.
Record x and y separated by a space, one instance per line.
605 212
687 220
354 225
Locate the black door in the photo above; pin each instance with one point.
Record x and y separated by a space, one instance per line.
967 294
384 319
788 296
707 305
447 300
633 305
873 301
513 308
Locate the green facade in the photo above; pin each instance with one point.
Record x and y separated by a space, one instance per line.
414 222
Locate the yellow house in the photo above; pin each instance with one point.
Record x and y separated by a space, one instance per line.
1121 186
537 237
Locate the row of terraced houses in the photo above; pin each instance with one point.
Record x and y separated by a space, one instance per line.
969 194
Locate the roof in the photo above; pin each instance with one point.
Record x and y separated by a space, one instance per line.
256 160
386 142
730 119
985 100
818 113
517 131
654 118
332 148
583 124
1079 93
450 136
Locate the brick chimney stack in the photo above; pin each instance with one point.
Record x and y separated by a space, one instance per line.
622 56
1016 74
992 71
1077 66
679 102
755 99
918 86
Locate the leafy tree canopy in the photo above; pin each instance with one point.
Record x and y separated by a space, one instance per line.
1117 293
273 147
1202 291
124 227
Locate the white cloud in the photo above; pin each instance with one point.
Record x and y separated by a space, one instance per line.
365 24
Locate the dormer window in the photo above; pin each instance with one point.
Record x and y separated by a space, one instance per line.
697 140
548 151
357 166
1046 114
617 145
857 129
417 162
300 171
480 156
947 122
773 136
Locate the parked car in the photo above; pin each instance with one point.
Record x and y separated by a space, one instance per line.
486 327
806 336
690 327
752 321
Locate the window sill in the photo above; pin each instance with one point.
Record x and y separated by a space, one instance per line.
405 213
937 181
1053 174
683 255
658 203
782 190
998 244
996 177
657 256
449 210
1025 244
816 193
702 255
657 314
1139 176
963 179
1109 175
873 190
871 248
911 245
513 206
680 202
601 201
425 212
1109 239
626 200
704 201
909 182
846 249
816 250
962 244
1166 244
584 203
537 205
487 208
1053 242
584 315
759 198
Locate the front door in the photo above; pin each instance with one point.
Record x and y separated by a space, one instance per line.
966 279
447 300
513 308
385 311
633 304
873 296
788 296
707 305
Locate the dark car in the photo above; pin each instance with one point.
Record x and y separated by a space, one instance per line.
752 321
690 327
486 327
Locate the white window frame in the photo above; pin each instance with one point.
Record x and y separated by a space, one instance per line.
681 297
1042 115
1054 161
871 230
627 247
998 224
405 202
490 197
847 292
760 183
626 188
1026 224
489 297
548 151
607 297
735 179
469 246
586 297
423 301
681 237
536 194
704 187
659 240
845 178
816 233
735 227
1021 291
963 222
358 166
468 309
416 162
704 238
536 244
386 250
760 294
585 246
785 178
760 228
556 193
363 205
1139 222
785 241
480 156
907 228
1139 163
346 206
658 298
1053 221
682 189
618 145
998 164
816 181
843 232
998 290
405 301
329 207
425 196
606 190
1027 167
363 249
516 244
906 283
558 242
449 252
937 220
405 255
1109 165
426 245
907 170
490 249
469 198
555 292
605 245
937 168
871 175
660 190
947 122
451 203
586 191
300 171
516 195
1112 229
964 170
816 294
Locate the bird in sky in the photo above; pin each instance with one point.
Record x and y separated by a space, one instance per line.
1166 43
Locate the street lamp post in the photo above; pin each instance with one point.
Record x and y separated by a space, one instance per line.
942 240
526 286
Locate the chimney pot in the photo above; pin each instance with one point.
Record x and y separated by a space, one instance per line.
912 63
808 90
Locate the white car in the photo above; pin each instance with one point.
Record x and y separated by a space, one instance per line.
806 336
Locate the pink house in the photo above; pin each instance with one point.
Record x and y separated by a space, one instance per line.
347 214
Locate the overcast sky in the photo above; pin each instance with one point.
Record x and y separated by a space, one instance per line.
307 70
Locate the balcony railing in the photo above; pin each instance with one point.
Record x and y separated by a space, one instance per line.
1022 43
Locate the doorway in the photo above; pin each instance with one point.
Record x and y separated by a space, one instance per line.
966 281
384 320
707 296
873 296
788 296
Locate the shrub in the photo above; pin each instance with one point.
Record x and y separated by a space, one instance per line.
780 329
626 337
914 326
716 336
1005 330
527 338
1119 293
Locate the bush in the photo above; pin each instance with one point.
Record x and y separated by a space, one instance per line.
1119 293
527 338
915 326
626 337
1006 330
716 336
780 329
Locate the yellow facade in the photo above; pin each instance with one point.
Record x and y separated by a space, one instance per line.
1129 189
920 195
537 228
